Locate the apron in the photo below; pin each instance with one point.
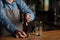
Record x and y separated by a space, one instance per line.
14 17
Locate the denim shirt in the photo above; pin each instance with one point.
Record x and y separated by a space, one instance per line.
13 6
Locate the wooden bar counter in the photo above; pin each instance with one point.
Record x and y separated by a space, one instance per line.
47 35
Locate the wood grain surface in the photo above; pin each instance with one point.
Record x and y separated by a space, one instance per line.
47 35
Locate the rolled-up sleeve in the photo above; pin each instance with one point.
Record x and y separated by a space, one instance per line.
25 9
5 21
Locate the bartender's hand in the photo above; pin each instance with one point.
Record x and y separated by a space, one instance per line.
28 17
20 34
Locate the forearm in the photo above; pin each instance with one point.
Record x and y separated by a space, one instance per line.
22 5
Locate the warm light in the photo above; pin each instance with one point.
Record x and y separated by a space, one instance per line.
46 5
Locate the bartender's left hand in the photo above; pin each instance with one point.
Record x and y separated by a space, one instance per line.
19 34
28 17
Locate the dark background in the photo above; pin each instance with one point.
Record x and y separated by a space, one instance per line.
51 17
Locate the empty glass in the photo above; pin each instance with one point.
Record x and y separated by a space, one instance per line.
38 28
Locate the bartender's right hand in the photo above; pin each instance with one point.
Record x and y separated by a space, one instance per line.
20 34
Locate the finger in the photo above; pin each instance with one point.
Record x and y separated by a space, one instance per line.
21 35
17 36
27 16
24 34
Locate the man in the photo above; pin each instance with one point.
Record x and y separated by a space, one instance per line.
9 15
